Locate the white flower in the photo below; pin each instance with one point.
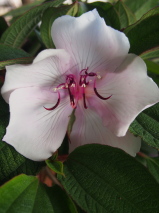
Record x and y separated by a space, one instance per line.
91 72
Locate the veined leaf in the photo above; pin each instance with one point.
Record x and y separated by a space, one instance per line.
16 34
152 163
105 179
144 34
146 126
27 194
140 7
10 55
153 167
125 14
13 163
21 10
150 54
152 67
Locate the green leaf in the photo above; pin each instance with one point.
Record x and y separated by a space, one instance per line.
144 34
64 148
139 7
56 166
125 14
152 67
105 179
21 10
3 25
153 166
150 54
10 55
48 18
27 194
154 77
17 33
11 162
4 118
73 10
146 126
152 163
80 210
108 12
82 8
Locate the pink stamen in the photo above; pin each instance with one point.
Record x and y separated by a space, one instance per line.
71 97
73 88
83 80
84 70
84 101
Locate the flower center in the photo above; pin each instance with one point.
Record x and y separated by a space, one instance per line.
76 89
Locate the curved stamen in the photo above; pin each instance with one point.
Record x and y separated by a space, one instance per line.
58 101
85 71
101 97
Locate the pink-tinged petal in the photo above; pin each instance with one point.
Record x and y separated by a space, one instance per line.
90 42
34 131
88 128
47 67
132 91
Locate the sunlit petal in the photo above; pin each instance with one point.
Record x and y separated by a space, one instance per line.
90 42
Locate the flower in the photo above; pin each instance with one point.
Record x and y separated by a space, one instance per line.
91 73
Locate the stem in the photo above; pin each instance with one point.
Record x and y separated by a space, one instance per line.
53 177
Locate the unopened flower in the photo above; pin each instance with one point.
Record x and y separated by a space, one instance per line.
91 73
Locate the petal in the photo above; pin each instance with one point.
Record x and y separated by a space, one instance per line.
90 42
132 91
34 131
46 68
88 128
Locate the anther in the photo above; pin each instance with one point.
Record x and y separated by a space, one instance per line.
83 85
99 77
66 85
